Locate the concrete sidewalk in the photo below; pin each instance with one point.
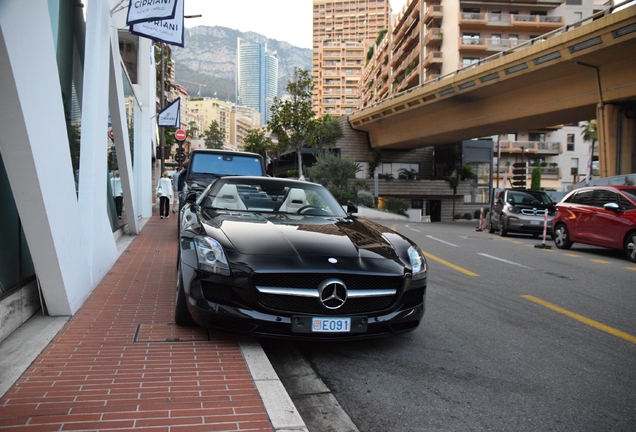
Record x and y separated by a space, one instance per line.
122 364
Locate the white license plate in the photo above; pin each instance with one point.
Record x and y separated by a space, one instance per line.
535 222
331 325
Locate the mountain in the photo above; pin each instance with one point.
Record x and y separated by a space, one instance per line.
209 58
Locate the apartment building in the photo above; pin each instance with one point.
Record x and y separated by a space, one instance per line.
343 31
428 40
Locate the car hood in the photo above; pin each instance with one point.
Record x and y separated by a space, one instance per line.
253 234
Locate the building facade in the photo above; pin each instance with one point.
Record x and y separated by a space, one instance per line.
59 121
428 40
343 32
256 77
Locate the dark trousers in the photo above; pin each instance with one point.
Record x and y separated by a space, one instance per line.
164 206
119 205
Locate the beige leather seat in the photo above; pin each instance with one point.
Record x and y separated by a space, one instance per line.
296 198
228 198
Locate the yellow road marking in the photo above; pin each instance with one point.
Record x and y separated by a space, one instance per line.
597 325
572 255
446 263
631 268
601 261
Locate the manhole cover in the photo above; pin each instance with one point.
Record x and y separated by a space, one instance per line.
169 332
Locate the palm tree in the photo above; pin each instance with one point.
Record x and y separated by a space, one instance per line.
590 133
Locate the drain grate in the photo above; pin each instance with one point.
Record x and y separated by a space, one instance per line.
169 333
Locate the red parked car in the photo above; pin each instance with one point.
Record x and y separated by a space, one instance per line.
598 215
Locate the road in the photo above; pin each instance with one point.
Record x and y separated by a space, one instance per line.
514 338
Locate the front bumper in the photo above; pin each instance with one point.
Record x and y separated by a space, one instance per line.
528 225
236 310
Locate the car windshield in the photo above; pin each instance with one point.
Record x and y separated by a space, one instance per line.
268 195
225 164
528 197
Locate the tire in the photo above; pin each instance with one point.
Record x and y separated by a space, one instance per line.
562 237
491 228
630 246
502 227
182 316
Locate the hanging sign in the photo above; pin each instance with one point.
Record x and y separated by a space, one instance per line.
150 10
169 31
170 116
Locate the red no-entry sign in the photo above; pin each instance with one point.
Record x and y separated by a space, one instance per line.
180 135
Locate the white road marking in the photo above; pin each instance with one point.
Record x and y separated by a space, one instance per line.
442 241
506 261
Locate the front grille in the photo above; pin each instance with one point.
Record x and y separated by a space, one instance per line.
530 212
307 305
295 304
313 280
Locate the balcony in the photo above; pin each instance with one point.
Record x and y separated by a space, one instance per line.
434 12
433 37
510 22
547 173
530 147
533 22
434 57
472 44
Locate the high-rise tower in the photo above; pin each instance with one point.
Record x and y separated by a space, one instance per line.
256 77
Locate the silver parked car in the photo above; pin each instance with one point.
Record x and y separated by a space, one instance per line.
520 211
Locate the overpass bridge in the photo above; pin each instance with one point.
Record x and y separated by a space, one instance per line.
575 74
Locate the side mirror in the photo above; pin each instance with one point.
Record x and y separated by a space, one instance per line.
191 197
351 208
612 206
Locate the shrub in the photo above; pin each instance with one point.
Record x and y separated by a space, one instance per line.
467 216
342 194
365 198
397 205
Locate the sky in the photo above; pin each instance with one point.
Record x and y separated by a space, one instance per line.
283 20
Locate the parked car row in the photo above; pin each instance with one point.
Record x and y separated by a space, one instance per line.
602 216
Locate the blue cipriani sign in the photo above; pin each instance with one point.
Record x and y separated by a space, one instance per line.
170 116
150 10
169 31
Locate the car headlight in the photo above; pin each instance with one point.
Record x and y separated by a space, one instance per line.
211 256
418 263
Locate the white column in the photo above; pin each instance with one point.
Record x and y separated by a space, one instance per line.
145 140
120 128
35 149
96 230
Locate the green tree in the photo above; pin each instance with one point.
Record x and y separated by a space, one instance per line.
590 133
192 130
374 160
327 131
334 173
292 120
536 178
256 142
213 136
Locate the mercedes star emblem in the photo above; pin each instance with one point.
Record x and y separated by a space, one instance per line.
333 293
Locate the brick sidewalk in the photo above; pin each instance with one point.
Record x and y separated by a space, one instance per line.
121 364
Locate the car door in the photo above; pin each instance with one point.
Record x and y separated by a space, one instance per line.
579 221
608 226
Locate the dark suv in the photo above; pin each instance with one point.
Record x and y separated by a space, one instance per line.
598 215
520 211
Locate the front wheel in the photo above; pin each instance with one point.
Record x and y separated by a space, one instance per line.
502 227
630 246
562 237
182 315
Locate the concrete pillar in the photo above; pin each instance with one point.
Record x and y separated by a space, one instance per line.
35 149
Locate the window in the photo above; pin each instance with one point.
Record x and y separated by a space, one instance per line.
574 2
603 197
583 197
536 136
574 166
570 142
467 61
